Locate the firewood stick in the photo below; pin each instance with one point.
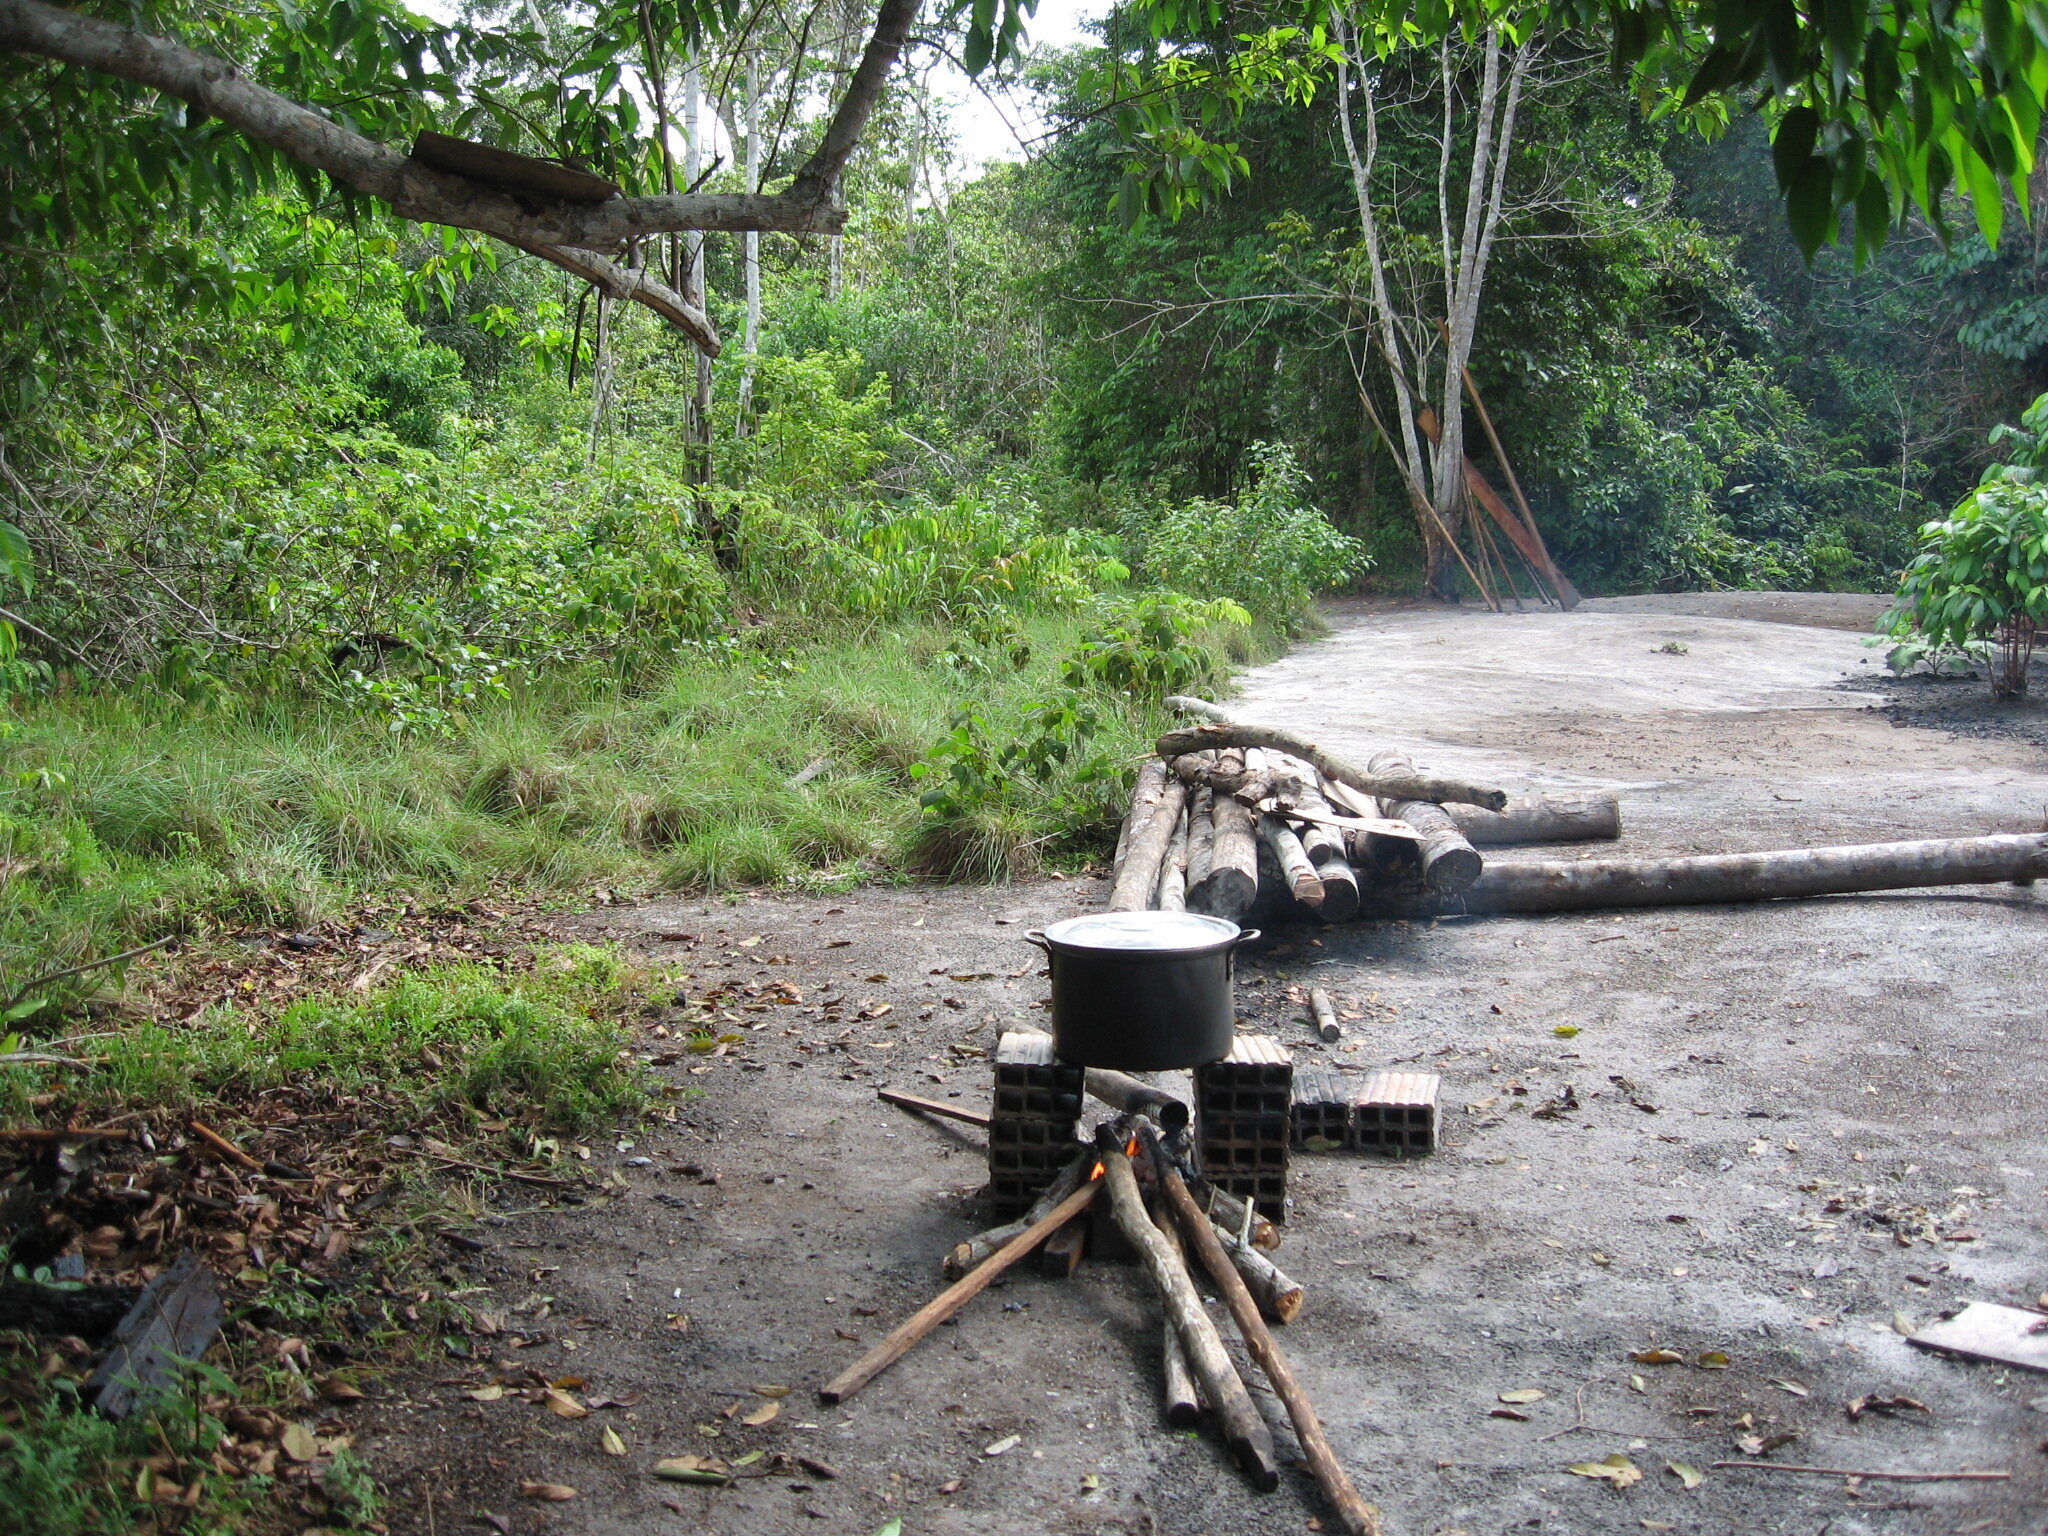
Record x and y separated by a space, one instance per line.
1120 1091
971 1254
1324 845
1144 801
1201 709
1149 843
1201 837
1295 868
1587 818
1183 1400
1171 894
1279 1297
92 1133
1229 1212
1359 1517
1327 1027
1230 885
1245 1432
222 1145
1449 862
1060 1255
1404 786
953 1298
931 1106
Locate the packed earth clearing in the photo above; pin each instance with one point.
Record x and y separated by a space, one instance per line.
1830 1128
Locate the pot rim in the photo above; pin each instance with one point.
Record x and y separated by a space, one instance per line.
1226 937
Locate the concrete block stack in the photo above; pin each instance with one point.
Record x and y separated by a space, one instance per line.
1243 1119
1033 1127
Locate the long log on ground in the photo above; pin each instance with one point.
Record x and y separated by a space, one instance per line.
1201 709
1243 1430
970 1255
1230 885
1592 818
1278 1296
1449 861
1359 1517
1150 841
1558 885
953 1298
1182 1398
1296 871
1408 786
1121 1091
170 1326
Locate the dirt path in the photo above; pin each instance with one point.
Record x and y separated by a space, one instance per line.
1827 1079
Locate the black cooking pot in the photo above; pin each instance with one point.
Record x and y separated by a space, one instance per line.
1142 991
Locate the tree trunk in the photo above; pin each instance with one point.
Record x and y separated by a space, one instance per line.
750 254
1577 885
1405 786
1296 871
1449 862
2011 655
1148 847
1231 884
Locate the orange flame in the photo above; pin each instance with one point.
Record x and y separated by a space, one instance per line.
1097 1171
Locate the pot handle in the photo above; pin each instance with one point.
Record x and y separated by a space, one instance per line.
1036 936
1246 937
1230 963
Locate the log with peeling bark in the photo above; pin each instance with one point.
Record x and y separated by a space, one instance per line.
1243 1429
1296 872
1409 786
1557 885
970 1255
1328 1030
1121 1091
1279 1297
1182 1398
1145 796
1449 862
1231 884
1196 768
1150 842
1201 709
1542 818
1324 845
1229 1212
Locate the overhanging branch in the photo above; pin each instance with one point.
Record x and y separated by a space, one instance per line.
634 286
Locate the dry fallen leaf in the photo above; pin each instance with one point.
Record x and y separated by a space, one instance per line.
692 1469
1714 1360
1657 1357
1007 1443
553 1493
950 1485
298 1443
1508 1413
762 1415
489 1394
1858 1406
1787 1384
1524 1395
335 1390
613 1445
556 1401
1616 1470
1686 1473
777 1393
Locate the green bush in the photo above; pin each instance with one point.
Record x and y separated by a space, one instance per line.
1271 552
1982 575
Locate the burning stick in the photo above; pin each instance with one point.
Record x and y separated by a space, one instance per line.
1359 1517
970 1255
1121 1091
1243 1429
953 1298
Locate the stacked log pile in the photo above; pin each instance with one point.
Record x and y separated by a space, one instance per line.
1236 819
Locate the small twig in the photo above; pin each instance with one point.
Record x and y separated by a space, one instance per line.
37 983
42 1058
503 1173
222 1145
1890 1477
96 1133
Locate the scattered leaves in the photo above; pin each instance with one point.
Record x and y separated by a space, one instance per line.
1616 1470
1657 1357
1524 1395
761 1415
613 1445
1858 1406
1007 1443
1687 1474
1714 1360
552 1493
1796 1388
692 1469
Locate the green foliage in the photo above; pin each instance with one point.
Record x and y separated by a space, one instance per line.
1153 645
1981 573
1270 552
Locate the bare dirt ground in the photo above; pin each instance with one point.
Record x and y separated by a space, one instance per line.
1833 1120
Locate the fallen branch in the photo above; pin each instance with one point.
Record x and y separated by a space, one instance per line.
496 1173
1449 861
932 1106
953 1298
37 983
1888 1477
1328 1030
1151 840
1591 818
222 1145
975 1252
1202 738
94 1133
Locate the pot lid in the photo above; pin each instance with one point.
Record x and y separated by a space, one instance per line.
1148 931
